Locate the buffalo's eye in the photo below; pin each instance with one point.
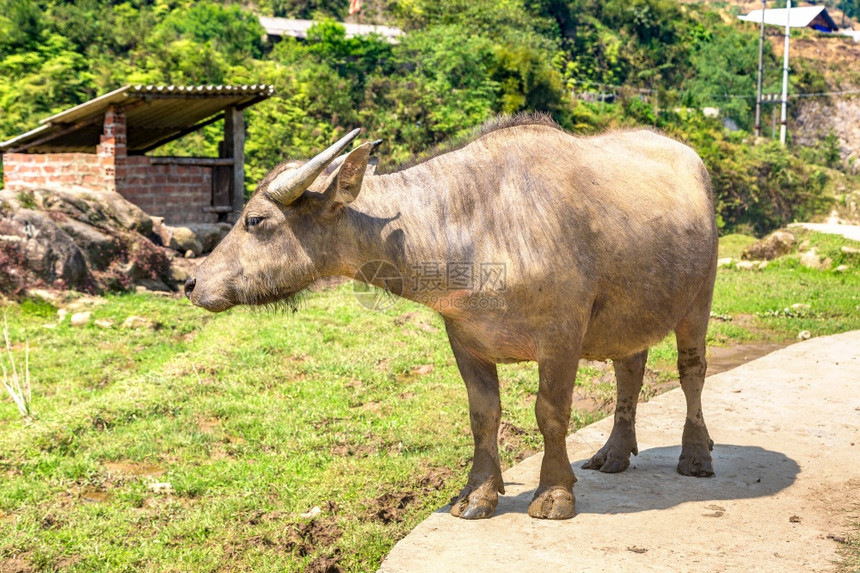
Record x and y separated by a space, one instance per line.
253 221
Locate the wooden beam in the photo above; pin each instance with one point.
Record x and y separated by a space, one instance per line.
178 134
55 134
206 161
234 147
70 128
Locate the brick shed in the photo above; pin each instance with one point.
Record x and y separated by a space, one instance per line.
103 143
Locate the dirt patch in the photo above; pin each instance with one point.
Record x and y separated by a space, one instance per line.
415 318
721 358
586 403
20 564
434 479
134 469
354 450
415 372
325 564
390 507
512 438
208 425
317 535
96 496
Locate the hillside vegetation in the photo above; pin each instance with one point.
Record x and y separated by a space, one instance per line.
460 63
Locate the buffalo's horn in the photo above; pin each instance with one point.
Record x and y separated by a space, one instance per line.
288 186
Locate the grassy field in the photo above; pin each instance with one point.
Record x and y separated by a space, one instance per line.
262 441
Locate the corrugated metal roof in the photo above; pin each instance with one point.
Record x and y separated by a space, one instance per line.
153 114
799 17
299 28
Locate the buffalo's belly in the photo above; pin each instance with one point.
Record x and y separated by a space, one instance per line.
620 337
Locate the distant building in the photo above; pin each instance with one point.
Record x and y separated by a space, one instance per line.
277 28
815 17
101 144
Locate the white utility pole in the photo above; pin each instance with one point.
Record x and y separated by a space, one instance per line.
760 65
785 73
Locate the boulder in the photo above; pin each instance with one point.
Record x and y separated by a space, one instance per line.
94 207
771 247
209 234
182 268
98 248
812 260
153 285
42 252
183 239
81 318
198 238
85 240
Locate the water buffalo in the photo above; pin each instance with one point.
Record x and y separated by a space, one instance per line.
562 247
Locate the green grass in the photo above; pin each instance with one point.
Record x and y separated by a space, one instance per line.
255 418
733 245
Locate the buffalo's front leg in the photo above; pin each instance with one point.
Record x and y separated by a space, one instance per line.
554 497
479 498
615 455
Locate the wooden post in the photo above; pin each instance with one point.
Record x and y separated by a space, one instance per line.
234 140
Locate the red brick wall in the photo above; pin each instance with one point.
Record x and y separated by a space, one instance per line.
112 149
176 192
27 171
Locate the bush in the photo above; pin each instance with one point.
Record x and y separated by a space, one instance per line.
759 188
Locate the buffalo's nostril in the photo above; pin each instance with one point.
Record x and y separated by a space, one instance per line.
189 286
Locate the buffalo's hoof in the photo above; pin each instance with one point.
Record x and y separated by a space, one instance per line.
553 503
696 461
609 460
475 503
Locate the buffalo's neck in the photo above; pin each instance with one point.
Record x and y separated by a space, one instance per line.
404 225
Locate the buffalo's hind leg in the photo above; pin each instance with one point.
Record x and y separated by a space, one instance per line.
479 498
614 457
696 444
554 497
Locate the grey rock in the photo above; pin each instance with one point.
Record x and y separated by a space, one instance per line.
771 247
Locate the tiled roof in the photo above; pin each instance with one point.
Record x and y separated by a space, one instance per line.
154 114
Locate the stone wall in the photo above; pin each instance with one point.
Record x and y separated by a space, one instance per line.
818 117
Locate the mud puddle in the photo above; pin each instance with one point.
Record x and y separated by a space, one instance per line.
134 469
96 495
721 359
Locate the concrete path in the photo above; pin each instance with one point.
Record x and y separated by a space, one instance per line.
787 457
848 231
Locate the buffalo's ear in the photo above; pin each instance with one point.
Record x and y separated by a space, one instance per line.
345 186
